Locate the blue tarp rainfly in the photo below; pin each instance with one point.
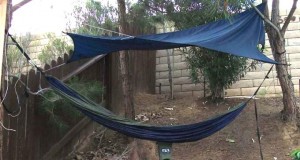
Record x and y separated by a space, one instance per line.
239 35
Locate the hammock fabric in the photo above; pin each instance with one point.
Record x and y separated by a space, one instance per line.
172 134
239 35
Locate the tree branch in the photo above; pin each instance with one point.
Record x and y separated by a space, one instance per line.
288 19
154 8
19 5
267 20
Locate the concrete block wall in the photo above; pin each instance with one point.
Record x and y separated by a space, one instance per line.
36 43
183 85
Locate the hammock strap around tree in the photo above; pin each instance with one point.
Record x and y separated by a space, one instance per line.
256 113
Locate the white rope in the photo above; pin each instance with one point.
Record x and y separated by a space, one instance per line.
6 90
6 65
8 129
108 30
54 67
18 100
39 92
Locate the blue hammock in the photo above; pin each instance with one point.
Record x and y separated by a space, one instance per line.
172 134
239 36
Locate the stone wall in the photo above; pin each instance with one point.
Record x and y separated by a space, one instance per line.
33 46
183 85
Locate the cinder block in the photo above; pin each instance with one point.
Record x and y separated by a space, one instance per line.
292 34
294 57
294 64
183 58
273 90
294 26
163 82
292 49
264 67
185 73
269 95
295 72
267 82
176 58
297 12
182 80
293 41
233 92
254 75
177 52
164 60
161 53
180 66
296 88
176 73
192 87
296 80
161 67
157 75
283 12
165 74
249 91
157 61
242 84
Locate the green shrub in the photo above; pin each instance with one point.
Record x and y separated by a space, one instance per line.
221 70
59 112
55 48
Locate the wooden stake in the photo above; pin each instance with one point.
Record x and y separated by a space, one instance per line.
3 9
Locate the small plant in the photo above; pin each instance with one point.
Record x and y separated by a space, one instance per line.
15 60
296 154
221 70
60 114
55 48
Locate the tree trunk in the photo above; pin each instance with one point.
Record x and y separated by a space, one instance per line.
290 109
287 86
140 149
217 94
126 85
19 5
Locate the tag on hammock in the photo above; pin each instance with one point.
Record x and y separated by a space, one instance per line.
164 150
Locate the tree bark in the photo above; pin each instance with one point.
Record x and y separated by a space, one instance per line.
19 5
217 94
140 149
290 108
126 85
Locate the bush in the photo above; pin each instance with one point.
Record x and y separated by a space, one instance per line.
55 48
60 113
221 70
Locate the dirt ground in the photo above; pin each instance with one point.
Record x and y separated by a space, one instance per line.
237 141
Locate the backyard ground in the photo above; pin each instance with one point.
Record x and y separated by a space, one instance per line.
238 141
